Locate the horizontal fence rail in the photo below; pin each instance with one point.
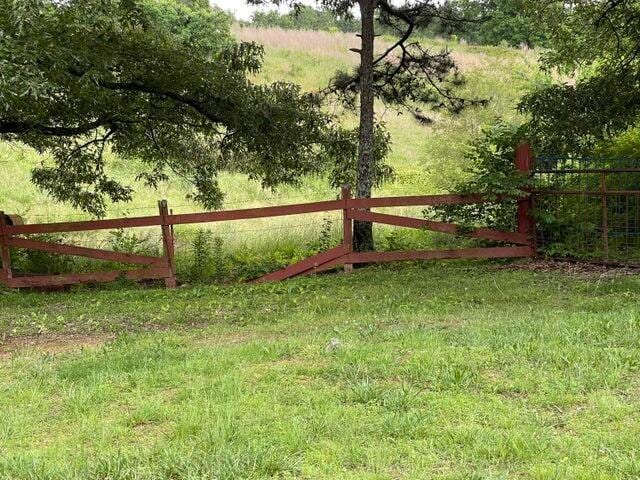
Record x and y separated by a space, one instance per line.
246 214
82 251
43 281
442 227
468 253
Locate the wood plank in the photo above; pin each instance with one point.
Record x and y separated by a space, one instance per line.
468 253
450 228
304 265
5 253
566 171
422 200
262 212
83 226
73 250
97 277
342 260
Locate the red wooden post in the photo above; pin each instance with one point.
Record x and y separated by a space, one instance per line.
347 226
168 245
524 163
5 252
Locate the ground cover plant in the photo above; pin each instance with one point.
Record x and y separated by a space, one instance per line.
439 371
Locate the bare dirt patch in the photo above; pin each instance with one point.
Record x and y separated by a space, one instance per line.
51 344
586 270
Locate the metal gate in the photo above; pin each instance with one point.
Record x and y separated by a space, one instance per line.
588 208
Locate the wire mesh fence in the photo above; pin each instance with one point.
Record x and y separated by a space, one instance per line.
588 208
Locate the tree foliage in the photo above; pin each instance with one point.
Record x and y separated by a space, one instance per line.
305 18
510 22
598 43
161 82
495 22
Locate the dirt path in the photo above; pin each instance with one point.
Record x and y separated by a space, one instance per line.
51 343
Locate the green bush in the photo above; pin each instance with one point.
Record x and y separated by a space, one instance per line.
491 171
42 263
305 18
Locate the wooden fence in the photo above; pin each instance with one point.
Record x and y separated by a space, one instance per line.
518 244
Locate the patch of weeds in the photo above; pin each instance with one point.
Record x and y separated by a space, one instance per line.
131 242
365 392
38 262
325 239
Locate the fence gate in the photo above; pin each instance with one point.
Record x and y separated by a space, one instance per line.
588 208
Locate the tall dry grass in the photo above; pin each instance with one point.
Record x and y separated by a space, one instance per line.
314 43
338 45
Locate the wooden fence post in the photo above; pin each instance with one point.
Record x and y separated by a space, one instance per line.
168 245
524 164
5 252
347 226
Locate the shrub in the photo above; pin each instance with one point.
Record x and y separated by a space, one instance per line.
44 263
491 171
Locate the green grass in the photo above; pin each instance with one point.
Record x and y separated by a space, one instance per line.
439 371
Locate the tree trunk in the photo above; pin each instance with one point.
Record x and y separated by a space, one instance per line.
363 231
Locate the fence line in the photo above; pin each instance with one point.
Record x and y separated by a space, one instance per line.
353 209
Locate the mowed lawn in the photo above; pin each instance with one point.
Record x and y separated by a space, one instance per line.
432 371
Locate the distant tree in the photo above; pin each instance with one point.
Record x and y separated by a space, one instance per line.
404 74
305 18
598 43
510 22
158 81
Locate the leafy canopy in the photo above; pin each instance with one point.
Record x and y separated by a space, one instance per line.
511 22
305 18
158 81
598 42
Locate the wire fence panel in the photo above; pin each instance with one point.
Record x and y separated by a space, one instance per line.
588 208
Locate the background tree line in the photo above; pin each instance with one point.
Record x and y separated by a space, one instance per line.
495 22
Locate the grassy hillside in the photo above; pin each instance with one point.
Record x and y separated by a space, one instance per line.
427 159
449 372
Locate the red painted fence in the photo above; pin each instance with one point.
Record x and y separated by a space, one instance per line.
520 243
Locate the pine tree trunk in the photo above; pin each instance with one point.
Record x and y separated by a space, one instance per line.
363 231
